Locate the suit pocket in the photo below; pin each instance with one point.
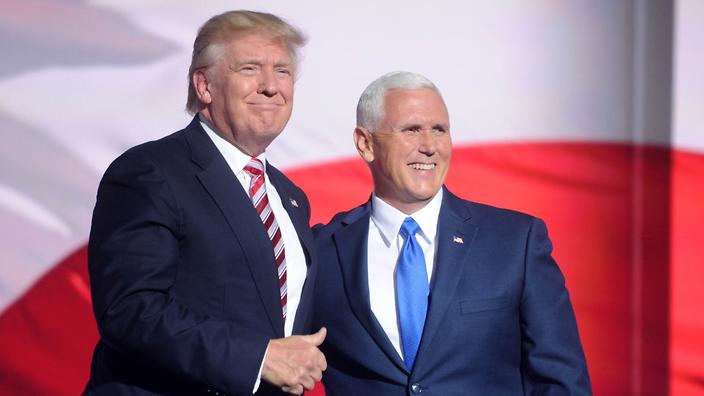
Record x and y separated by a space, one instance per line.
484 304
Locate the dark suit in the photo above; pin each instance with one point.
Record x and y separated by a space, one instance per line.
182 272
499 319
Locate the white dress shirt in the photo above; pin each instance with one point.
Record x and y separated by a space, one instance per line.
384 245
296 267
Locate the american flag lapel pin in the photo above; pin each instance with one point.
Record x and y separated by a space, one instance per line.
457 239
293 202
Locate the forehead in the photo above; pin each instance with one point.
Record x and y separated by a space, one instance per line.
414 105
257 46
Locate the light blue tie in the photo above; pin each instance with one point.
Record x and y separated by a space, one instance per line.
411 291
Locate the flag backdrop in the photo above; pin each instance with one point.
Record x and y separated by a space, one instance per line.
588 114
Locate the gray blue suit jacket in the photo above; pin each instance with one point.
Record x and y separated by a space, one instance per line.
499 320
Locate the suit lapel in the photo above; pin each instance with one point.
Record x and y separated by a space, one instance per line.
351 243
222 185
454 241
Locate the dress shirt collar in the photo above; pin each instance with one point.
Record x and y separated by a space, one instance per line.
389 219
235 158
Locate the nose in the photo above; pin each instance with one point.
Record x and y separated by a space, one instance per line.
267 83
427 143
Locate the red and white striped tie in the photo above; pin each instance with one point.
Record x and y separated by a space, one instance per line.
257 192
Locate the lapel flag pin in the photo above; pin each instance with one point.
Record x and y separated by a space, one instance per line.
457 239
293 202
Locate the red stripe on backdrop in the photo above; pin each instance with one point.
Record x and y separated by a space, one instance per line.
47 337
687 275
587 193
623 220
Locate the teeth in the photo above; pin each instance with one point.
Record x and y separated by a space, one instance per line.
422 166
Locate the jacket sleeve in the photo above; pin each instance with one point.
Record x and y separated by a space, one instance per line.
133 255
553 360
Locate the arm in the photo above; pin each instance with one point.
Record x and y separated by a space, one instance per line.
553 361
133 256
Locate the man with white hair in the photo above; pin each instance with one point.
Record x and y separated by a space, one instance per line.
426 293
199 248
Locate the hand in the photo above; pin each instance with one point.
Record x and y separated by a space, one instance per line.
295 363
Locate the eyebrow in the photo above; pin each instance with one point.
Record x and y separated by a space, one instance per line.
410 126
260 63
419 126
247 62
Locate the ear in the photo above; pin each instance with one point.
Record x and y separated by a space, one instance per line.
363 142
202 86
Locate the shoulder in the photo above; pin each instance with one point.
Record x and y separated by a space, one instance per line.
489 215
167 148
340 220
170 149
148 159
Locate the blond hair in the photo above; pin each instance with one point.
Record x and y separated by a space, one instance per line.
223 28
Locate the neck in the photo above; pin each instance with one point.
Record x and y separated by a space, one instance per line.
407 208
251 150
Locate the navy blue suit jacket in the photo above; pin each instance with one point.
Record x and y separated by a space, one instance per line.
182 272
499 320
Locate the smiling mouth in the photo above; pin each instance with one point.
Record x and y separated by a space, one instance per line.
420 166
265 105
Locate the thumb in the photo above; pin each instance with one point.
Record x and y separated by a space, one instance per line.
316 338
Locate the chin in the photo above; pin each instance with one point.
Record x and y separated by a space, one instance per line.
423 197
425 194
269 134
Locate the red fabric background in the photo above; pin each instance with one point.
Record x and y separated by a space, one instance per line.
626 223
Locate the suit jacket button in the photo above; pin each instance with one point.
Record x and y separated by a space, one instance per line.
416 388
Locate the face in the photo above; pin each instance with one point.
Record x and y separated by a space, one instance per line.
248 92
409 153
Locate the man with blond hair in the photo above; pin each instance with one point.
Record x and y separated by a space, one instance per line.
199 248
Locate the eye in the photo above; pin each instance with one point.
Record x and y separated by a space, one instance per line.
248 69
284 71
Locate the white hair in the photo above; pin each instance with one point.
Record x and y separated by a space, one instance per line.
370 108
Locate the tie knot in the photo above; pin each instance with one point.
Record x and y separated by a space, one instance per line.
409 227
254 167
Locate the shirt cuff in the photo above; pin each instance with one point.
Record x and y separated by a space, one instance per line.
259 376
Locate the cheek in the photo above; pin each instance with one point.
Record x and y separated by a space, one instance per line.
285 86
400 164
446 148
446 155
287 94
242 88
396 156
